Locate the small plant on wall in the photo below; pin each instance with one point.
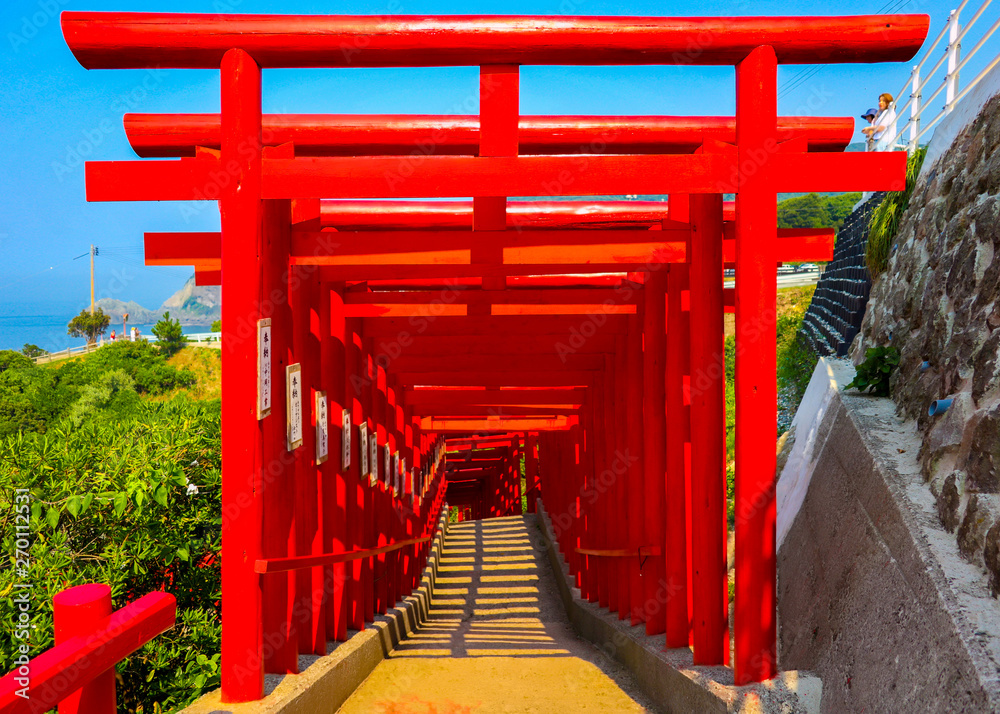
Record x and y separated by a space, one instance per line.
873 374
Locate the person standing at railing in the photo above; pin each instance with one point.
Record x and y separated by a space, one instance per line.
883 129
869 116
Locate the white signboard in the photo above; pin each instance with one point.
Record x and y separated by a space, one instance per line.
363 444
387 466
373 458
263 368
345 441
322 429
293 402
395 473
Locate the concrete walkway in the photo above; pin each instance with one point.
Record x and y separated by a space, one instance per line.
497 639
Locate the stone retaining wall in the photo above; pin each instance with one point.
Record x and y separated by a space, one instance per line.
838 305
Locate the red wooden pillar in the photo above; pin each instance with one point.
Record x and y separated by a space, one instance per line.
310 606
281 479
675 546
654 446
635 453
623 483
339 509
589 537
756 365
609 496
379 411
531 469
245 261
360 381
708 428
594 497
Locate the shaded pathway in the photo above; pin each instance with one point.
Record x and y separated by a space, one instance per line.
497 640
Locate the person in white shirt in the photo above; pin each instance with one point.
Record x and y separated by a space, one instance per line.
883 129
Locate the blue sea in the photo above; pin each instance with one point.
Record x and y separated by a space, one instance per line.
48 331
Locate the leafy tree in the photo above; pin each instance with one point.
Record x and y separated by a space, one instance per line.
815 211
217 326
90 326
30 350
169 335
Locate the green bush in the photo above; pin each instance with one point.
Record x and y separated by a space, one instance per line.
134 503
873 374
9 359
140 360
884 223
31 397
112 395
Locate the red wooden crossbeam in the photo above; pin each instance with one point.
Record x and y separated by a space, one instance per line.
281 565
354 215
449 176
58 672
495 397
122 40
175 135
556 423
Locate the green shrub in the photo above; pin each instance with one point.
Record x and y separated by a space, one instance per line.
113 394
111 503
9 359
884 223
140 360
873 374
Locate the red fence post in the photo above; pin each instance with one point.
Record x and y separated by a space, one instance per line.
756 366
75 612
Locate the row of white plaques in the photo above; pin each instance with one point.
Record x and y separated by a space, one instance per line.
392 463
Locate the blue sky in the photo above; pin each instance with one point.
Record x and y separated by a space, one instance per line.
51 106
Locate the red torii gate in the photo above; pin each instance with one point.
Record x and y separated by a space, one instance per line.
277 261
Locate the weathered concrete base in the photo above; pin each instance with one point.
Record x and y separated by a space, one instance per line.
873 593
668 676
324 683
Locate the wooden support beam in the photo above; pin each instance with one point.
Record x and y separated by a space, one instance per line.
118 40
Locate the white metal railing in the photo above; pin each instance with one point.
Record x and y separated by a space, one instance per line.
197 339
950 84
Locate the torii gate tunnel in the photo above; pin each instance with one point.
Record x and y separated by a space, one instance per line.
585 335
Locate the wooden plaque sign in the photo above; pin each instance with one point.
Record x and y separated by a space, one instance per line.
263 368
293 402
322 429
345 441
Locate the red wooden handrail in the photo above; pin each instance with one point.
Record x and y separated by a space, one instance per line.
641 552
300 562
63 670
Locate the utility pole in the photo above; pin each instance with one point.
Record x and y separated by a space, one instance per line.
93 252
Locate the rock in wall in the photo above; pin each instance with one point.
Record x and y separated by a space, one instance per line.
939 304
